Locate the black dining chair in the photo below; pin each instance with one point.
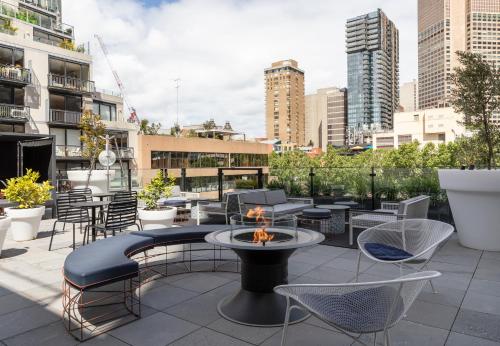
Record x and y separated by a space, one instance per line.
124 196
68 214
119 216
87 192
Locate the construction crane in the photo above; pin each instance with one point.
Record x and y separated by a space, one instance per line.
133 118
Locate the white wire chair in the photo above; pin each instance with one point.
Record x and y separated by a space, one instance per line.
355 309
417 238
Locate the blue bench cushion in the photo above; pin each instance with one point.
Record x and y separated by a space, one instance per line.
104 261
386 252
317 213
188 234
363 311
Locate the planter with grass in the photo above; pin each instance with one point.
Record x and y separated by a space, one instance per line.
31 197
153 215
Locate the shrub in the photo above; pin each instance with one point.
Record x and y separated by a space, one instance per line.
26 191
159 187
246 184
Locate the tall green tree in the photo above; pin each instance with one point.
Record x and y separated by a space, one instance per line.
476 94
92 138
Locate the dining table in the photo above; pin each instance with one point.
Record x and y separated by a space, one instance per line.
93 205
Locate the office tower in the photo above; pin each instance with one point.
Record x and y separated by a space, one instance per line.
409 96
285 102
447 26
373 72
326 117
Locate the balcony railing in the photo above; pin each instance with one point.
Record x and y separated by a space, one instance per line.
47 5
70 83
15 74
75 151
125 153
64 117
14 112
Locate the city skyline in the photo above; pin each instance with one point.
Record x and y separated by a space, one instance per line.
225 81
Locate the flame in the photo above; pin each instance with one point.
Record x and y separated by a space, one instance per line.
261 236
257 213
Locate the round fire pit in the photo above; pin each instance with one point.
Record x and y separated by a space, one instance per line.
264 265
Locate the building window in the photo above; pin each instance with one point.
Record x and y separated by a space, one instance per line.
68 69
107 111
402 139
16 128
11 56
173 159
11 95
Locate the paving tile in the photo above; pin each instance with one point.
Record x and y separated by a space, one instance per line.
492 255
478 324
434 315
444 296
451 267
165 296
310 258
13 302
51 335
253 335
348 264
457 339
23 320
157 329
302 334
410 333
207 337
300 268
482 303
487 287
331 275
487 274
104 340
201 282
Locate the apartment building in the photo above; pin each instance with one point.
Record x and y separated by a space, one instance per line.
436 125
447 26
372 42
409 96
326 118
46 83
285 108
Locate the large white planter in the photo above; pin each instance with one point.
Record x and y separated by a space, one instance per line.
98 179
25 222
154 219
474 198
4 226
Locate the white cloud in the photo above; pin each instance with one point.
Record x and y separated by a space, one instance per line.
219 48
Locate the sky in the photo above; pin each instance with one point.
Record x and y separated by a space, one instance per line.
220 48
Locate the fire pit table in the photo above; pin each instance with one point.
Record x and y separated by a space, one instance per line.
264 253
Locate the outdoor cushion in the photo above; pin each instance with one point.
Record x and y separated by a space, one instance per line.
317 213
287 208
188 234
388 211
376 218
275 197
254 198
104 260
177 202
387 252
363 311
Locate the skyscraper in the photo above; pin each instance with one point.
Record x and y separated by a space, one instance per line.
409 96
285 110
373 71
447 26
326 117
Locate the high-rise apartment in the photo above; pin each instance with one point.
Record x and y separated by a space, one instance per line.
373 71
409 96
285 110
326 117
447 26
46 83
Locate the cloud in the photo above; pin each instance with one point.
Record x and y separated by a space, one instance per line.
219 48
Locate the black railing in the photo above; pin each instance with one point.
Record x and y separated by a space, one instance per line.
71 83
64 117
15 74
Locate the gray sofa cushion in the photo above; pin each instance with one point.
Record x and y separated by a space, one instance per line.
286 208
275 197
254 198
188 234
105 260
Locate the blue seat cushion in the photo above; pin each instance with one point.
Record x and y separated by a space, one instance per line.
174 202
387 252
104 261
363 311
317 213
188 234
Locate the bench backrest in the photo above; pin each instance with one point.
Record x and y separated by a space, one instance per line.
415 208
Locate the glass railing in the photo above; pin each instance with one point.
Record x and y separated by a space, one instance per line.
68 151
48 5
15 74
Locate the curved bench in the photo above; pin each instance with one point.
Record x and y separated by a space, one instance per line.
108 261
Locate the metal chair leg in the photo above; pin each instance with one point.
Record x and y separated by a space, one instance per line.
52 235
287 319
74 230
358 266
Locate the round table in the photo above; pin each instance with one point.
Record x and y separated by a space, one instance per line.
102 195
93 205
350 204
338 216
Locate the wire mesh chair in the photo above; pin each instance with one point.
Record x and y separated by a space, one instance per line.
355 309
68 214
120 215
407 243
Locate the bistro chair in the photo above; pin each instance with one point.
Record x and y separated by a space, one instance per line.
68 214
355 309
119 216
87 192
406 243
124 196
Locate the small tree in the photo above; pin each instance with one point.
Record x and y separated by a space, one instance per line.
92 138
476 94
149 130
159 187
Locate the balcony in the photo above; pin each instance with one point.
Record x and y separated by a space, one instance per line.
47 5
59 116
75 151
14 113
72 84
15 75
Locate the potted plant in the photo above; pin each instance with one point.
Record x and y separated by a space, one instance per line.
93 142
474 195
154 216
31 197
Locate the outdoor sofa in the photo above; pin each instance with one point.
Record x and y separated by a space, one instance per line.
275 203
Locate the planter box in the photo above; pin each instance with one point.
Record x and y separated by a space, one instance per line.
474 198
25 222
155 219
98 179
